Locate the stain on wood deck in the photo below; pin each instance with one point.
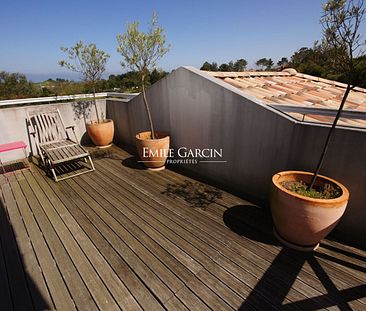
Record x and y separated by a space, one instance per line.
126 238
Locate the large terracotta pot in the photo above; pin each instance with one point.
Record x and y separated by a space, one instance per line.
101 133
301 222
153 152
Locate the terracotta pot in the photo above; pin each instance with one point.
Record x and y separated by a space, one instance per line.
102 133
153 152
301 222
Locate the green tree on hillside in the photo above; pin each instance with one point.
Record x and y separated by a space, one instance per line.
264 63
16 85
206 66
282 62
240 65
225 67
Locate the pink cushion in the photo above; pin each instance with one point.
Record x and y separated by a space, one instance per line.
12 146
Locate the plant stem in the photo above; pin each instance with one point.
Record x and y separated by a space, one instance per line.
95 104
330 134
147 107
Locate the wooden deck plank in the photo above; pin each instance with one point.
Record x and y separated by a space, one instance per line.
178 225
249 278
5 295
33 272
21 297
112 229
338 281
146 299
146 209
151 242
191 301
92 266
147 183
53 235
118 242
254 271
157 251
143 225
175 304
55 283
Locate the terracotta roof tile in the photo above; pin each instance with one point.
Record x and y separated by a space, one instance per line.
290 88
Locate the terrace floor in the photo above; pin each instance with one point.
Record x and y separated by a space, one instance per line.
126 238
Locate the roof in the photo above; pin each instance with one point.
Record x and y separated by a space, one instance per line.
304 97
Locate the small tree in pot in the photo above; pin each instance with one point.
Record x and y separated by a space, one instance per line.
141 52
90 62
307 206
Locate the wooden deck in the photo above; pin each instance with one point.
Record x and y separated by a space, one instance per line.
126 238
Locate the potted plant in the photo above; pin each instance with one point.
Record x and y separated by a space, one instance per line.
90 62
307 206
141 52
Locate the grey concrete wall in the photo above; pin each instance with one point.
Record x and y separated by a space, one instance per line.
13 124
203 112
345 162
199 113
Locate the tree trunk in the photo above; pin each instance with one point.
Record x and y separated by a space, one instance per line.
330 134
147 107
95 105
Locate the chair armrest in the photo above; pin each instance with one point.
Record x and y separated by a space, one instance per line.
73 130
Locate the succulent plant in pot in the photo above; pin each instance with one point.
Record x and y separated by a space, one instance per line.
141 51
307 206
90 62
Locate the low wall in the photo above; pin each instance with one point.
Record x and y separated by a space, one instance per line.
13 125
203 112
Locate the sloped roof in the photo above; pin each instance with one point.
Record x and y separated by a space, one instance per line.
304 97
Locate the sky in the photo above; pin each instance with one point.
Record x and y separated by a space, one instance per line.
32 32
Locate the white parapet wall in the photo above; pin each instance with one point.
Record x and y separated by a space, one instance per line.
78 110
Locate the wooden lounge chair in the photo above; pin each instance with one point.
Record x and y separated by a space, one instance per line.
54 145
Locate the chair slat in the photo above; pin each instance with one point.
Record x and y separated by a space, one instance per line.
53 142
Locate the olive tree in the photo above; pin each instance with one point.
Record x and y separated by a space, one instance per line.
89 61
141 52
341 22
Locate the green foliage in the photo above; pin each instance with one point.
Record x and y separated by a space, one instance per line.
142 50
131 80
226 67
318 61
87 60
239 65
326 191
156 75
16 85
264 63
341 22
210 66
282 62
206 66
